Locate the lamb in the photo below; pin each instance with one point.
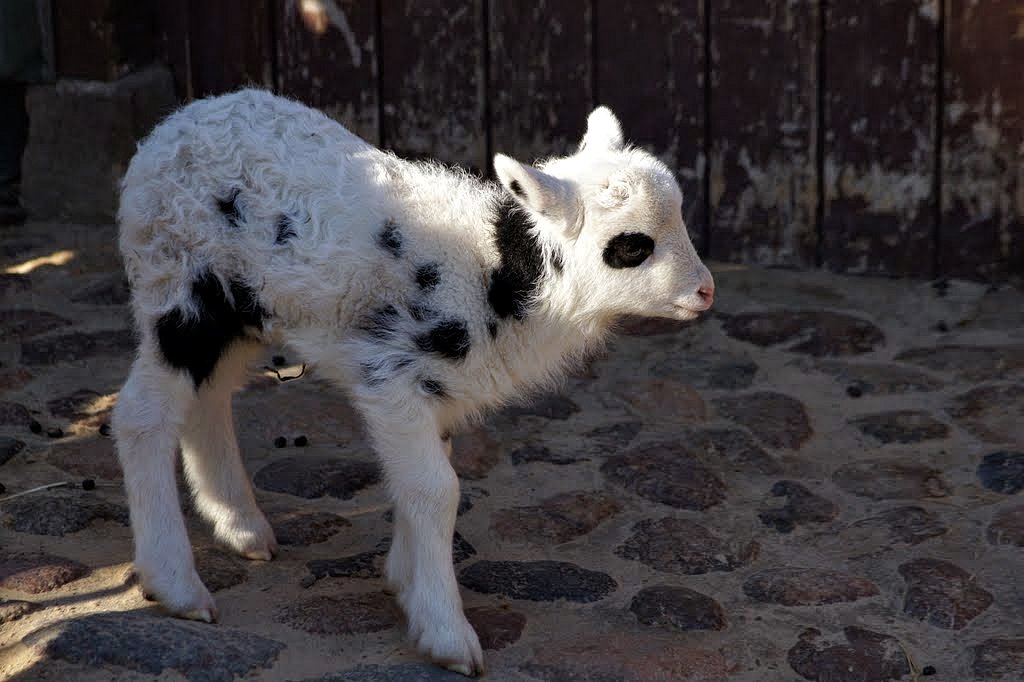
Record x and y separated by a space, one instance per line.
426 294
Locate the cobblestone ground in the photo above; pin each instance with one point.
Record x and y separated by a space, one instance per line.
820 481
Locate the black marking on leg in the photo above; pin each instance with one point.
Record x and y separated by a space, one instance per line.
381 323
628 250
434 387
517 278
492 329
285 230
195 343
428 276
390 238
229 207
449 338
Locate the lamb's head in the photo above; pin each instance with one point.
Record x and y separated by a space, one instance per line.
612 214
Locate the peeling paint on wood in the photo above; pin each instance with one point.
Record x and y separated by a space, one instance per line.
650 71
982 230
330 62
880 104
432 80
540 77
230 45
764 115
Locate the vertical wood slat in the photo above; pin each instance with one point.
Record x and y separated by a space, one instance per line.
230 45
173 43
432 80
44 10
330 61
540 76
764 110
879 114
982 228
650 71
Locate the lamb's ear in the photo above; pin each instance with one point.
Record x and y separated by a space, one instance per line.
543 194
603 131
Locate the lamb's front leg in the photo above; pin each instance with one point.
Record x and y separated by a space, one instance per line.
426 496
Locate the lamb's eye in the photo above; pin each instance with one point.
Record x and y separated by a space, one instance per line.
628 250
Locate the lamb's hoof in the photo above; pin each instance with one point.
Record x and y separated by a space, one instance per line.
259 554
463 669
183 595
201 608
250 537
205 615
455 647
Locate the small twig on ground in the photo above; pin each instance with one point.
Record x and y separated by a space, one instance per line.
36 490
915 672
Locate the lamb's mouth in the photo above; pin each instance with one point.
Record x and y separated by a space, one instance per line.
684 313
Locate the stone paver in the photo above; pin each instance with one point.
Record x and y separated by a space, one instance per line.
344 615
674 545
537 580
150 643
942 594
866 655
806 587
781 490
677 608
801 507
38 573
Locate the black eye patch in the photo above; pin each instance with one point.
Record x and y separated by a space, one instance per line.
628 250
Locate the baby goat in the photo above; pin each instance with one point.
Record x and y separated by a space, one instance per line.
428 295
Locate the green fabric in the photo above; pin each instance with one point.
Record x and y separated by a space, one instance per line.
21 42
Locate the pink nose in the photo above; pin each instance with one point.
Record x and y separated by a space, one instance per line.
707 294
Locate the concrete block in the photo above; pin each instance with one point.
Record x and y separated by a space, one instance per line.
82 136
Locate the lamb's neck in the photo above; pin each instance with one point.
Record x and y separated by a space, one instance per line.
554 337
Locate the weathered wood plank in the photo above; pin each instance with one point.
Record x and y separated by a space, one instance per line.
982 230
49 46
230 45
764 117
650 71
881 66
102 39
540 77
328 60
172 43
432 80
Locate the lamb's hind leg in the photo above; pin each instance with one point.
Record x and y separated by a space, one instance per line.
147 420
213 465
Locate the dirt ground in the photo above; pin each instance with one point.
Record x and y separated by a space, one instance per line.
821 480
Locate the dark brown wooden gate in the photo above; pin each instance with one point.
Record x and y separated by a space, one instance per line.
882 137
